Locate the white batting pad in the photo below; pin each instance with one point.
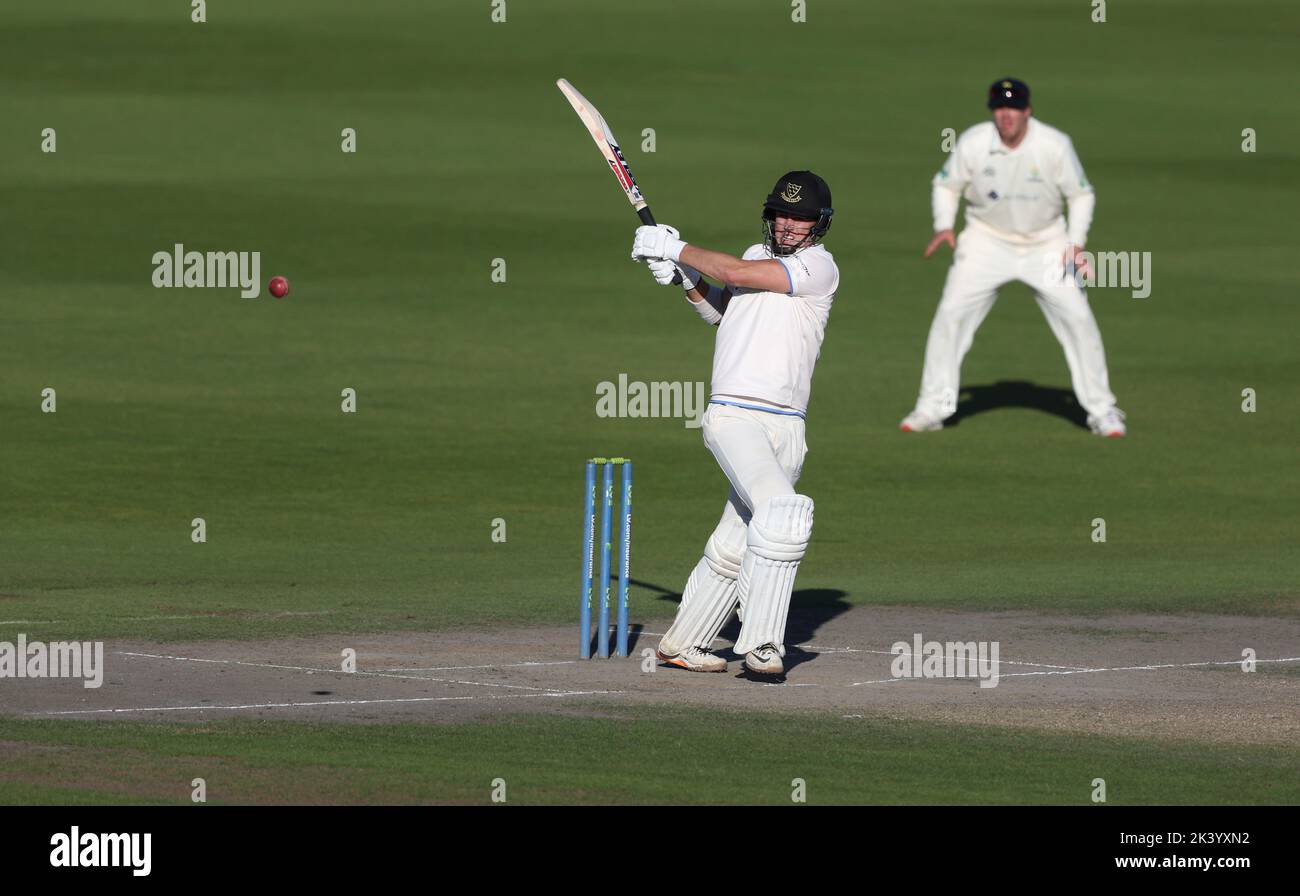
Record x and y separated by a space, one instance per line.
710 593
777 540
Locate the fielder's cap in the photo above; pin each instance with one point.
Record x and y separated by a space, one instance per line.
1009 92
801 194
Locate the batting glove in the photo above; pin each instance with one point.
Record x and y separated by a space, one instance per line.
660 241
664 270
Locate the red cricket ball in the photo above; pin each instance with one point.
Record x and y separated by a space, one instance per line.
279 287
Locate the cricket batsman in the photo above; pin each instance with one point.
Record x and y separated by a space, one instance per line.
770 307
1016 174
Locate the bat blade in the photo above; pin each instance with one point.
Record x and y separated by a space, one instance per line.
608 146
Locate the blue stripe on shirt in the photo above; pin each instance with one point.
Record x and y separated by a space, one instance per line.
755 407
788 278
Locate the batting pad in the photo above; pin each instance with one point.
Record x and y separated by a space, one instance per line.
778 538
710 593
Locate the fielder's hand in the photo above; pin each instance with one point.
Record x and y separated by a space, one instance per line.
660 241
664 270
1076 264
943 236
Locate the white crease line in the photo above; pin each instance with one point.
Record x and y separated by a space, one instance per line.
821 649
310 671
809 647
1044 665
488 666
909 653
31 621
1290 659
76 712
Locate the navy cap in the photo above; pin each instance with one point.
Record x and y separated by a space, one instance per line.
1009 92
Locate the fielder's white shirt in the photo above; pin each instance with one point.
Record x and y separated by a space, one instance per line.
1017 193
768 342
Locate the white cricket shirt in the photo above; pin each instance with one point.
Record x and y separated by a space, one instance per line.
1020 192
768 342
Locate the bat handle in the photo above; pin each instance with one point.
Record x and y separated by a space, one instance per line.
649 221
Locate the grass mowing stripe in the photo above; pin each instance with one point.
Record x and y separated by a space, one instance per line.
661 755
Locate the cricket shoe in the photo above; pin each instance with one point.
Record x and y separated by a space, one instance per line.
920 422
1109 425
765 660
693 659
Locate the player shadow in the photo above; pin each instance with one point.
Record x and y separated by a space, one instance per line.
810 609
1018 394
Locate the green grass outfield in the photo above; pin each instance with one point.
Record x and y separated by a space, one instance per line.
476 400
655 756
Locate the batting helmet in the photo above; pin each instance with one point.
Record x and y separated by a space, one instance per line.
797 194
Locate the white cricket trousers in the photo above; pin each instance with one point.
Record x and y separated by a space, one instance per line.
761 454
983 263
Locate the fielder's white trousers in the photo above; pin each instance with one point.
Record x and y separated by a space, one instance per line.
982 264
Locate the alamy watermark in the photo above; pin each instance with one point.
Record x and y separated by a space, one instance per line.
637 399
58 659
77 850
179 268
946 659
1102 270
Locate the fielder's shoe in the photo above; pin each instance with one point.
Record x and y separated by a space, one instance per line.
920 422
693 659
1110 424
765 660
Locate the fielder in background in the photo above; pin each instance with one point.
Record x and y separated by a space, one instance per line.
771 309
1015 173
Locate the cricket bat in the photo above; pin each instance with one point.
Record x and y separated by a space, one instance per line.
608 146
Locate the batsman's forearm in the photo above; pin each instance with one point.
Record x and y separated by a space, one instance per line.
711 303
718 265
700 290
